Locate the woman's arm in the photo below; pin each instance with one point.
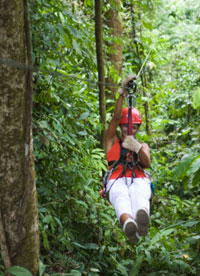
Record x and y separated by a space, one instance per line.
111 136
144 156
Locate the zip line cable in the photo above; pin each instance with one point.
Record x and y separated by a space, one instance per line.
144 63
36 69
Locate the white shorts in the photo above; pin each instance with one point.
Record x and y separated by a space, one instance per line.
128 195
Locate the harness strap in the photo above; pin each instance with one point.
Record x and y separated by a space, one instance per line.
122 160
108 174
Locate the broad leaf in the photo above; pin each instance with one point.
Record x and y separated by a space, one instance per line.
196 98
19 271
195 166
181 168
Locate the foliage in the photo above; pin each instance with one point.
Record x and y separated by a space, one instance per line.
80 234
19 271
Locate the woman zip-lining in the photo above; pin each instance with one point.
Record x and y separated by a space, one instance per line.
127 185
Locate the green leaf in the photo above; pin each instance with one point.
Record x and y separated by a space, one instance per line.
74 273
82 133
193 239
195 166
161 234
44 124
73 31
82 203
45 240
76 47
191 223
196 98
92 246
88 3
137 265
79 245
62 17
195 180
122 269
19 271
182 166
58 221
84 115
41 268
94 269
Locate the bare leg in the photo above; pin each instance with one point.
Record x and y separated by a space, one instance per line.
124 217
130 227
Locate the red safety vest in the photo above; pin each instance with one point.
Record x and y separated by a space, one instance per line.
113 155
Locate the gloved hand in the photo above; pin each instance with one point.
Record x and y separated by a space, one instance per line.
124 89
131 143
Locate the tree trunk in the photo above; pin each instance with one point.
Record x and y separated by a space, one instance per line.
114 57
100 66
18 200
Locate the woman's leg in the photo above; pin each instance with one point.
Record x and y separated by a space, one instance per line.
119 198
140 194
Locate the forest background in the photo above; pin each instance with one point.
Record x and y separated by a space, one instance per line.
80 234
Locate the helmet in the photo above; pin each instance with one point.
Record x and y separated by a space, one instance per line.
136 116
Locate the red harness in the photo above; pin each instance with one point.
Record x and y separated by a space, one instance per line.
123 156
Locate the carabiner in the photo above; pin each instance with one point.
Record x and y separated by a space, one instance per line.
130 98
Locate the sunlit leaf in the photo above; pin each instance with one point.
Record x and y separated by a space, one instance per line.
196 98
